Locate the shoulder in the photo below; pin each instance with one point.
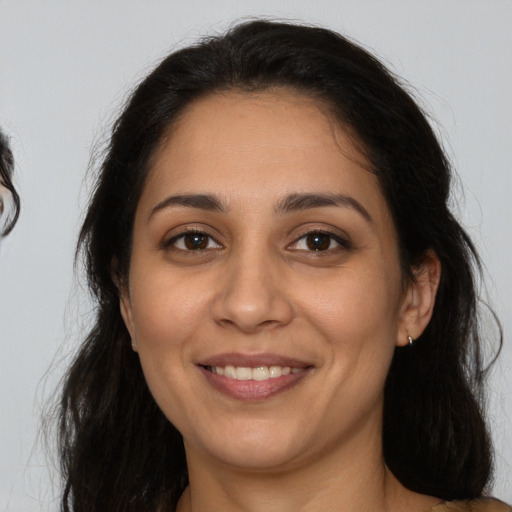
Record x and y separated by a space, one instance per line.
478 505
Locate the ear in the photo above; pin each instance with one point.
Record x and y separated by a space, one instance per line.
419 299
125 306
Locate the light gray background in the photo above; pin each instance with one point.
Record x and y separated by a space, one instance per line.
65 67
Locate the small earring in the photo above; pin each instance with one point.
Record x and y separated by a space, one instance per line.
410 339
134 346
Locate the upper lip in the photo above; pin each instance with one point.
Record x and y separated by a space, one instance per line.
253 360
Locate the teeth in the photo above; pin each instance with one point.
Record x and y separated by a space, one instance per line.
230 372
259 373
243 373
275 371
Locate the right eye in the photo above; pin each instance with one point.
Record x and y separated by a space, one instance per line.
193 241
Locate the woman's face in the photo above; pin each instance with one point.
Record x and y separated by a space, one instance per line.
265 293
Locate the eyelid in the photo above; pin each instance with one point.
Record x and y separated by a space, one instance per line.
169 241
342 240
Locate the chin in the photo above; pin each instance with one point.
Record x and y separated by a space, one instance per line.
256 458
254 449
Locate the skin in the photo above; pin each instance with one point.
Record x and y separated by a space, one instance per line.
256 286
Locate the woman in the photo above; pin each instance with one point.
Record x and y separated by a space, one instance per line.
286 308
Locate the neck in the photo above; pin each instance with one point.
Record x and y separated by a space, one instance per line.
345 482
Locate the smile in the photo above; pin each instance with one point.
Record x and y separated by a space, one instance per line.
253 377
259 373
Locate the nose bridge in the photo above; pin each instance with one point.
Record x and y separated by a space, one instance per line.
252 296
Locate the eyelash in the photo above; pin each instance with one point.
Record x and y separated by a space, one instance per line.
173 242
342 243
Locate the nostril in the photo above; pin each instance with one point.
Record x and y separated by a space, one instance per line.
226 323
248 327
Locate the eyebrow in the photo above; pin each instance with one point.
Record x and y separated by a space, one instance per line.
290 203
206 202
298 202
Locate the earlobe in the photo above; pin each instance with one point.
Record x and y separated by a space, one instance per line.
418 304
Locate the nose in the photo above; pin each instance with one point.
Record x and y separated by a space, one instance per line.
252 296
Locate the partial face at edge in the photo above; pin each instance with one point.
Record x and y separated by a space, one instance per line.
260 241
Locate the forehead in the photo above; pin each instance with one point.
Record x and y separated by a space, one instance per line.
243 144
254 115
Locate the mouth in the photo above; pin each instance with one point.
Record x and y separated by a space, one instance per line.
253 378
260 373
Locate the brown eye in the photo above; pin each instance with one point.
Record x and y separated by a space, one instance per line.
318 241
193 241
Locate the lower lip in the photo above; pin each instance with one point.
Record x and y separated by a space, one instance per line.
252 390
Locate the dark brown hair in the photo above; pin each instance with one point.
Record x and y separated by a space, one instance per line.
10 216
118 451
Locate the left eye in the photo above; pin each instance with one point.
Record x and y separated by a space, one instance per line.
193 241
318 242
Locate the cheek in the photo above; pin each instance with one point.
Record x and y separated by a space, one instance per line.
166 309
358 322
355 306
357 316
167 317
